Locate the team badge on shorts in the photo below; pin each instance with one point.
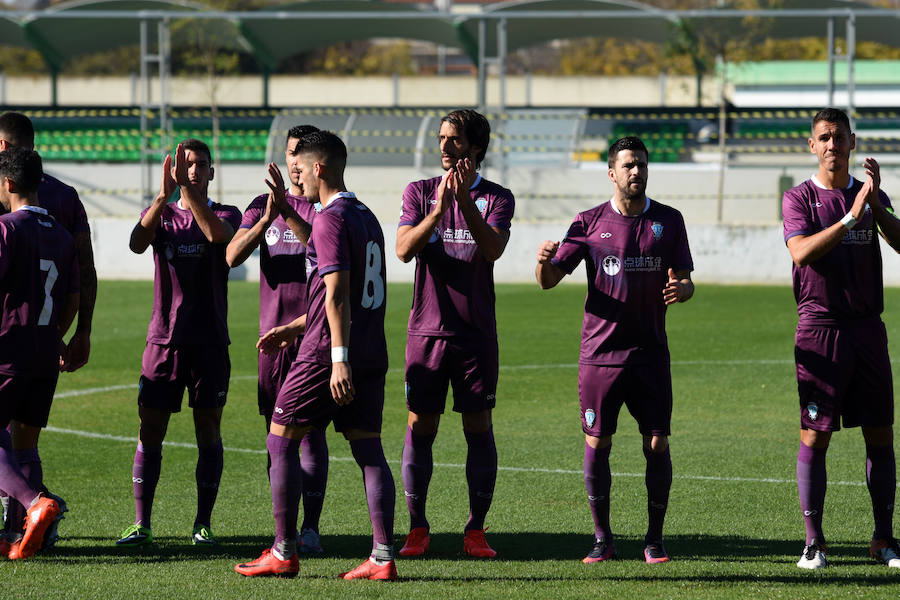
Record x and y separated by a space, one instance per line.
590 417
406 391
481 205
657 230
273 234
813 410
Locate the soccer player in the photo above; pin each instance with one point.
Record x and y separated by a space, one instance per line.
284 221
843 369
39 295
338 374
455 226
61 202
638 263
187 340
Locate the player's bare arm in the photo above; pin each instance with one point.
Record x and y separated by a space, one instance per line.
79 348
491 240
282 336
245 240
143 233
546 273
337 311
297 224
412 238
888 224
806 249
679 287
216 230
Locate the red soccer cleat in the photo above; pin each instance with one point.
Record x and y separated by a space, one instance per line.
269 565
476 545
39 517
416 543
14 552
369 570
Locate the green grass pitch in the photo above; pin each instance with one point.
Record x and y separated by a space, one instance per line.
733 527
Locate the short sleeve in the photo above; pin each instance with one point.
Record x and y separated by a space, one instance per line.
331 243
501 213
411 210
232 216
573 248
254 212
797 218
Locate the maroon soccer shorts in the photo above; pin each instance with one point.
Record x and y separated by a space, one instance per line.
305 399
25 399
646 389
167 370
433 363
272 372
844 375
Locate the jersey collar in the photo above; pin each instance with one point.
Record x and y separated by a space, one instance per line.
818 184
476 182
182 207
34 209
612 203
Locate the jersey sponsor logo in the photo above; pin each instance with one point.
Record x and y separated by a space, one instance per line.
657 229
458 236
605 235
812 409
191 250
590 417
643 263
481 205
273 234
858 237
612 265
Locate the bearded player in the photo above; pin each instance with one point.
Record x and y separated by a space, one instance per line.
638 263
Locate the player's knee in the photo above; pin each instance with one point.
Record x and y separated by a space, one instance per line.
424 423
24 436
477 422
657 443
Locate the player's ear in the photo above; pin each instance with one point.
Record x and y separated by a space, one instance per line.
812 145
212 173
852 141
611 173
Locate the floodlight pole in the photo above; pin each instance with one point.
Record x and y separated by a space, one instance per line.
851 58
482 66
831 61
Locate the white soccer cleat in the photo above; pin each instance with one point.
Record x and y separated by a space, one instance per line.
887 552
813 556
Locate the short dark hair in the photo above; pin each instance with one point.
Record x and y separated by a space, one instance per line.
22 166
476 128
298 131
631 142
196 146
832 115
17 129
326 146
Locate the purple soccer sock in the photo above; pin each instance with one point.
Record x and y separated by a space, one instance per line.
598 480
881 477
658 479
481 475
30 464
208 476
380 491
11 478
811 484
314 469
145 476
417 465
284 477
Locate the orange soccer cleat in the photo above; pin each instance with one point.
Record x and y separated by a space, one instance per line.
370 570
269 565
475 544
416 543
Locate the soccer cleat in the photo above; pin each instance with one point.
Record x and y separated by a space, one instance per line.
269 565
15 550
370 570
37 519
203 536
416 543
813 556
52 535
601 551
475 544
135 535
887 552
655 553
309 542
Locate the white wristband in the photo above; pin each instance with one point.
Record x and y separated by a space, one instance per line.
848 221
340 354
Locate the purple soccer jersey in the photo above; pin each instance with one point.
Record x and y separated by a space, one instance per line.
846 283
38 271
347 237
190 294
627 260
282 263
454 284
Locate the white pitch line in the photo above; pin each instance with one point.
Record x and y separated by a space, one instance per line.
133 440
